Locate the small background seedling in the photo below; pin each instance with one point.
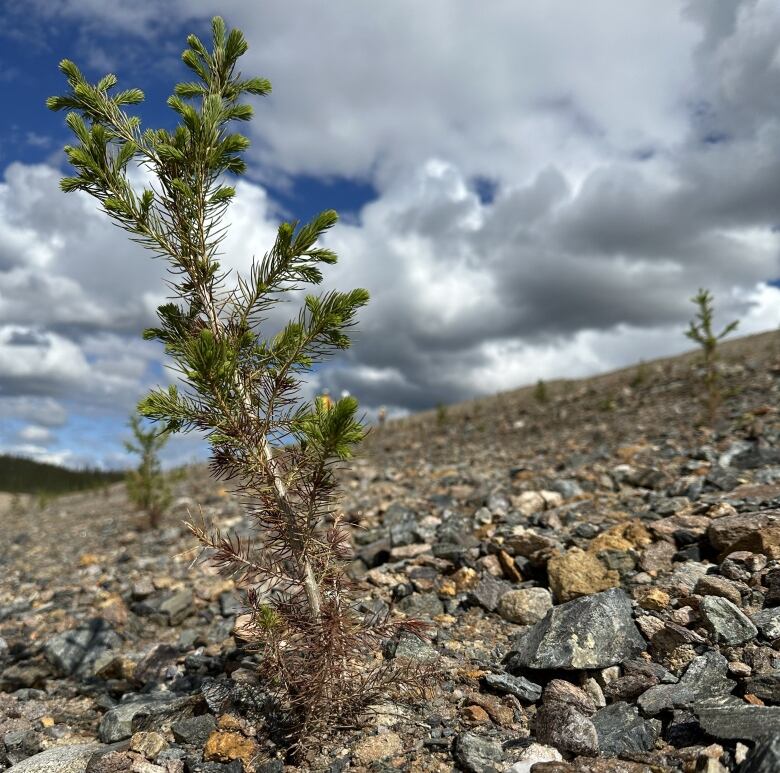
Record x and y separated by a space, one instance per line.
541 393
701 331
147 486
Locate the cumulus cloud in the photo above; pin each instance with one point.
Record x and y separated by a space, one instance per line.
473 297
625 174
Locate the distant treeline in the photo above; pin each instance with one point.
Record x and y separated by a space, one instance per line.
25 476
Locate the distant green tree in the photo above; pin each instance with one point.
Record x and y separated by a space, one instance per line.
541 393
147 486
701 331
22 475
641 375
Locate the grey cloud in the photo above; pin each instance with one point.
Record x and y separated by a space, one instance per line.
610 209
737 67
43 411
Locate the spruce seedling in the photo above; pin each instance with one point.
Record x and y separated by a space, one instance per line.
240 385
701 331
541 393
147 486
641 375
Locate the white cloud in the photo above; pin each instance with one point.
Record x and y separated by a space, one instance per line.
62 457
635 150
34 433
44 411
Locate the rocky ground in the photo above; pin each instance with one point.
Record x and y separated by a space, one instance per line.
602 574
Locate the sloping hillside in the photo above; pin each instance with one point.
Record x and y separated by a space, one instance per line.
601 573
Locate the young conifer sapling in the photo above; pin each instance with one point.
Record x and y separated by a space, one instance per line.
147 485
541 393
701 331
240 385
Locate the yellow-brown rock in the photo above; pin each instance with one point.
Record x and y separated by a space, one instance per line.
508 567
624 537
475 714
465 579
376 747
225 746
577 573
652 598
114 610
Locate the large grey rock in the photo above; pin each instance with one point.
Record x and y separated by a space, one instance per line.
525 606
478 755
30 673
177 607
568 730
589 632
194 730
704 678
59 759
425 605
488 592
725 532
621 730
726 622
732 718
765 758
139 712
765 686
411 647
768 622
74 652
401 524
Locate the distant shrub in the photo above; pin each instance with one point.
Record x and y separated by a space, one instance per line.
541 393
147 486
607 403
441 415
701 331
641 375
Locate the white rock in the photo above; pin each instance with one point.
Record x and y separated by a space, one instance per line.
532 754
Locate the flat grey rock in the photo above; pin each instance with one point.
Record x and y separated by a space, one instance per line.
621 730
194 730
178 606
768 622
765 686
589 632
477 754
519 686
704 678
765 758
733 719
140 711
59 759
726 621
74 652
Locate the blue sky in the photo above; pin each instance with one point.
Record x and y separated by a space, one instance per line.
529 191
32 49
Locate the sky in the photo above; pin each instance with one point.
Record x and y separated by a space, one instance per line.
528 190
